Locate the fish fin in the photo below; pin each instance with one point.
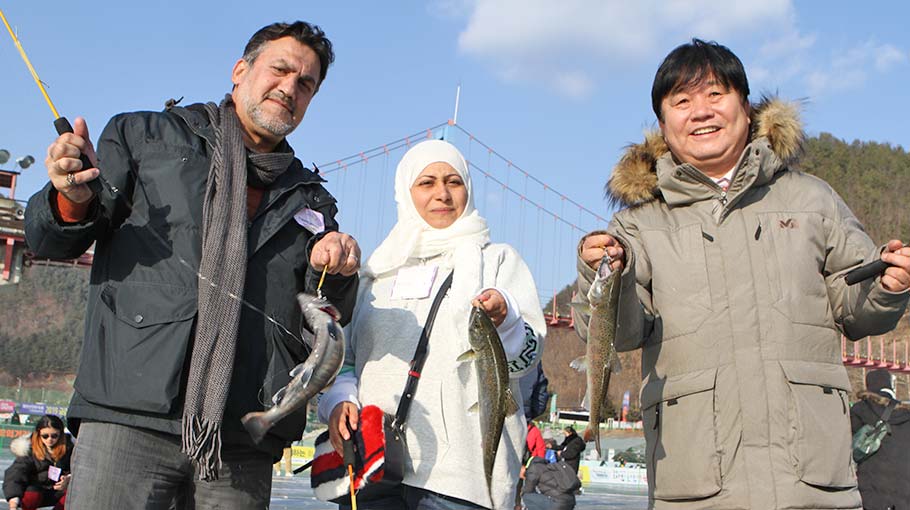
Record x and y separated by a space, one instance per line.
582 308
588 434
296 370
615 365
279 395
511 405
257 425
580 364
475 408
468 355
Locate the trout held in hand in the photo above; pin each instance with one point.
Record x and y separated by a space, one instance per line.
494 398
600 359
313 375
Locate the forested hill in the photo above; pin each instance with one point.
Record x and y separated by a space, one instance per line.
873 178
41 323
42 320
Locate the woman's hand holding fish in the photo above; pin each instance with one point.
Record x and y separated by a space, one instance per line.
494 304
345 414
337 251
595 245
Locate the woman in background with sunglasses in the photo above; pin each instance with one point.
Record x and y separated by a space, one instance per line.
41 472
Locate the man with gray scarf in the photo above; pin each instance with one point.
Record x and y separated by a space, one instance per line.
207 228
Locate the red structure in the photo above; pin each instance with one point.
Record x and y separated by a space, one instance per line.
12 229
876 356
13 251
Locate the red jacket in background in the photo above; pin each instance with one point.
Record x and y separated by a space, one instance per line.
535 441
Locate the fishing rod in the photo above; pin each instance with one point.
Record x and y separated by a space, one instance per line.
866 271
61 124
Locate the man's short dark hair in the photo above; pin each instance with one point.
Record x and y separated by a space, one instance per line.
303 32
689 65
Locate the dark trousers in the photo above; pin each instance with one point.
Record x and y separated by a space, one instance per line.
412 498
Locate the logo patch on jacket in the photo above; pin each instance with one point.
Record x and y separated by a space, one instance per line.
789 223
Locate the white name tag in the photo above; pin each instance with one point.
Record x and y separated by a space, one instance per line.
310 220
414 282
54 473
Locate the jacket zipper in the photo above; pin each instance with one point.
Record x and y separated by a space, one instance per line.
704 179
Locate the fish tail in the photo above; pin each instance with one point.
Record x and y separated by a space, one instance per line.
592 433
257 425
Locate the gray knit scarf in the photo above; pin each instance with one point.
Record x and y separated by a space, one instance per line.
222 272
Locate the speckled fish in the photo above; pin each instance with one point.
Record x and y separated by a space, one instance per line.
494 399
600 359
313 375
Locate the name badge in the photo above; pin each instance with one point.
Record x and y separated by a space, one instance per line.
54 473
414 282
310 220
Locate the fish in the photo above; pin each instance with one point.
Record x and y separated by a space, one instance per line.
600 360
312 376
494 397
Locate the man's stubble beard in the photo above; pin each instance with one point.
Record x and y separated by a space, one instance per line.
273 125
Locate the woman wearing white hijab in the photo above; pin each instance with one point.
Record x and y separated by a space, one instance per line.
438 230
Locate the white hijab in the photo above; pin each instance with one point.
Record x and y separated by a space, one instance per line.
412 237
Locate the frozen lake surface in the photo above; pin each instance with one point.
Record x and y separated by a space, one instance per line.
295 494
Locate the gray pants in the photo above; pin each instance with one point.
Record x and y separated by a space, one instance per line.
412 498
128 468
537 501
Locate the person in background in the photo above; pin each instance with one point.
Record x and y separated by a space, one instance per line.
287 457
536 446
883 476
41 472
571 448
548 486
552 447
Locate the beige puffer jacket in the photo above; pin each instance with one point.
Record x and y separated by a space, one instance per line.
738 303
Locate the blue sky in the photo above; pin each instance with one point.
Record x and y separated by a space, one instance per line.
558 88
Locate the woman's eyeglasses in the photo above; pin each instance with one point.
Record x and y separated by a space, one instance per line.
53 435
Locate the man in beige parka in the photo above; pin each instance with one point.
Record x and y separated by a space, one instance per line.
733 288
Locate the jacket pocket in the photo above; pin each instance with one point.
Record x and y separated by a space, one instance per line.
679 279
136 345
793 249
819 435
682 456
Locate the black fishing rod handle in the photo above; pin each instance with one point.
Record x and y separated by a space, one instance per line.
96 185
866 271
348 447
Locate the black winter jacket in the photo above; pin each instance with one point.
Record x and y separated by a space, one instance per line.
141 313
570 450
29 473
556 480
883 477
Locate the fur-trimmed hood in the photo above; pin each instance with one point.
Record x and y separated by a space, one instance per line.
881 399
21 446
635 178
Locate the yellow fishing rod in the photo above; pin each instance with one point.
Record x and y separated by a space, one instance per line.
60 123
